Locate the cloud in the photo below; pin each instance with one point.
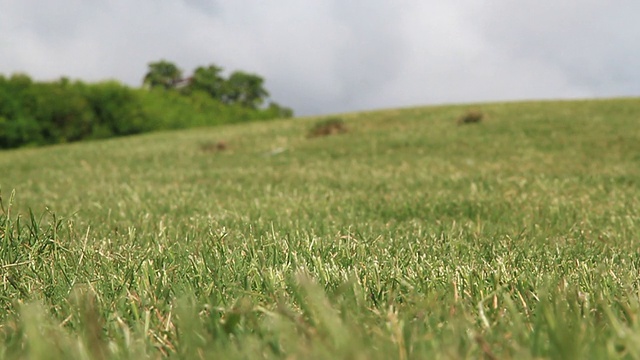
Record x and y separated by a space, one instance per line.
206 6
592 43
323 56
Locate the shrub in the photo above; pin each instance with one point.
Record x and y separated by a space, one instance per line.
61 110
117 110
41 113
19 131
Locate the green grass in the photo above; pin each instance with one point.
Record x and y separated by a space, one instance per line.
406 237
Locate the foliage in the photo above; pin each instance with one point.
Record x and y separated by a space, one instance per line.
163 74
40 113
208 80
241 88
117 109
244 89
410 238
62 110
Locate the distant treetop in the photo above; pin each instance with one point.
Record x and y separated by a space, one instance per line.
241 88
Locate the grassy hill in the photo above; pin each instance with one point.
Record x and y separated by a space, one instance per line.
408 236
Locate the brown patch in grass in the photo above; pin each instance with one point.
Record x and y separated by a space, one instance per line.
471 117
327 127
217 146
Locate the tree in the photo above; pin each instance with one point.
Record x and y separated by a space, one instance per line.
162 74
244 89
209 80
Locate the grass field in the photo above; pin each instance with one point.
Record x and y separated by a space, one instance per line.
406 237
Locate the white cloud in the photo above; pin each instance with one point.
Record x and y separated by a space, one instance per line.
321 56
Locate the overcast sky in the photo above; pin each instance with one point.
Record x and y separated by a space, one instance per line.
328 56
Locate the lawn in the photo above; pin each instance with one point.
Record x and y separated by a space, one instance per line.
407 236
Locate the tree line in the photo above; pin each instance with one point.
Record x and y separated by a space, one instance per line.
40 113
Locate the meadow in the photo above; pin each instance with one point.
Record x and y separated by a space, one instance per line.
408 236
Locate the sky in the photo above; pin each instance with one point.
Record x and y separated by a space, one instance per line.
334 56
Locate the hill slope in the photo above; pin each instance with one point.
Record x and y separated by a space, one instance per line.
406 236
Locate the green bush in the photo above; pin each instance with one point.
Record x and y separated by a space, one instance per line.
18 132
117 109
62 111
40 113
